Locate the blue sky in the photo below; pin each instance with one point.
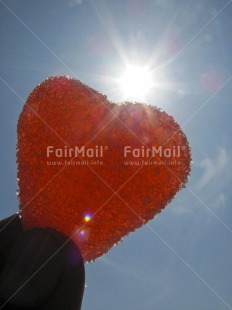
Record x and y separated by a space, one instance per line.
181 259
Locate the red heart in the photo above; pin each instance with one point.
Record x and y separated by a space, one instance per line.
133 161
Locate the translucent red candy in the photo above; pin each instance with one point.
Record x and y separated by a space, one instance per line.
131 159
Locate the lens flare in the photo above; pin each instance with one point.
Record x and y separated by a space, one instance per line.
87 218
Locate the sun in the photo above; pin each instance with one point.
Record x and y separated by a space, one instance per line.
136 82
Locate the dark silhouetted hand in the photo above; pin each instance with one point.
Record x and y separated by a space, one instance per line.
40 269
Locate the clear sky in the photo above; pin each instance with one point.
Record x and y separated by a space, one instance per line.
181 259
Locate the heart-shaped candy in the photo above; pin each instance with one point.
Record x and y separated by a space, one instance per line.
92 169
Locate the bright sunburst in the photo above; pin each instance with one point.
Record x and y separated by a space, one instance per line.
135 83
